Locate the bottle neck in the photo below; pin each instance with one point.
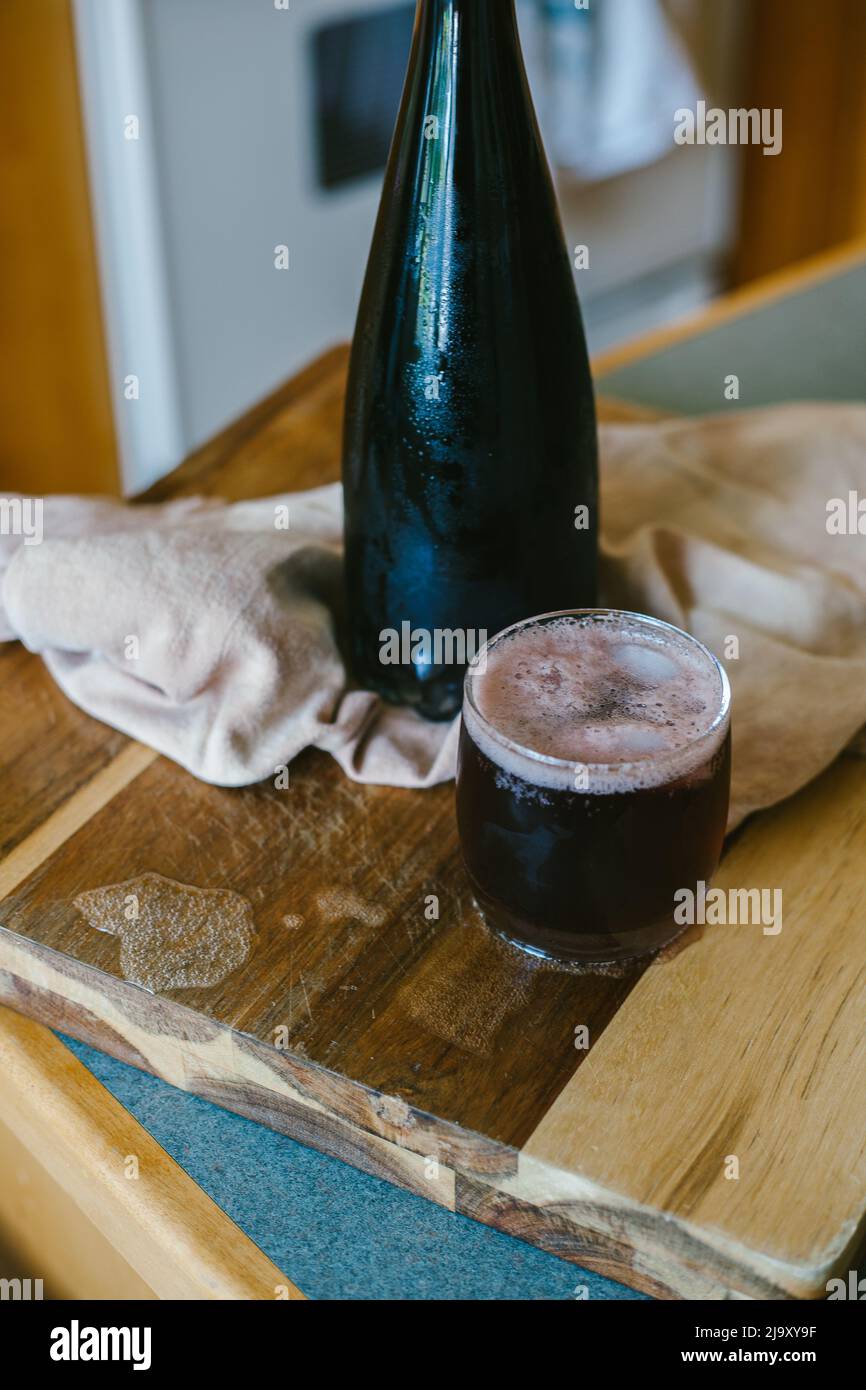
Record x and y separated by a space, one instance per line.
464 41
477 11
466 121
482 18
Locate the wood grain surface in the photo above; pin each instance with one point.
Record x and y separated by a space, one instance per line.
421 1049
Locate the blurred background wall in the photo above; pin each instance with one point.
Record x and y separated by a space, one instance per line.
155 153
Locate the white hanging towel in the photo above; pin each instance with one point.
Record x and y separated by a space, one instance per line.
607 80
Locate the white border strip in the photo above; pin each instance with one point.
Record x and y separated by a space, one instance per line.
128 222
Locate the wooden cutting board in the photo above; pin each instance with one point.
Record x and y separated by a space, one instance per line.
709 1140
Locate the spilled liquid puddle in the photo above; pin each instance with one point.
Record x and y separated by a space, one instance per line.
176 936
466 998
342 905
613 969
172 935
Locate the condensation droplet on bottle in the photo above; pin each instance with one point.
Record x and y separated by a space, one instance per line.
172 935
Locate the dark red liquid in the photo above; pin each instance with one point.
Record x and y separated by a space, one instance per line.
582 876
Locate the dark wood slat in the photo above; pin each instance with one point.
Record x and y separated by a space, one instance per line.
48 748
436 1013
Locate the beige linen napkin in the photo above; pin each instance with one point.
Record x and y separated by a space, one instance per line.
208 631
720 525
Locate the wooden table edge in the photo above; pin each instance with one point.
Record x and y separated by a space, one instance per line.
158 1219
583 1220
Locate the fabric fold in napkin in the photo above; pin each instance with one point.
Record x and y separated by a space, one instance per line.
209 631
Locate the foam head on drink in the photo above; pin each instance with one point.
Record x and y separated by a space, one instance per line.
593 782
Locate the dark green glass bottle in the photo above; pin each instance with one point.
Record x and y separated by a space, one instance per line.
470 441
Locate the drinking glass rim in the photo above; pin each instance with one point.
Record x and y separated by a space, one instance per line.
548 758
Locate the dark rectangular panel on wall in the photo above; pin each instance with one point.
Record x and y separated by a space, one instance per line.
358 71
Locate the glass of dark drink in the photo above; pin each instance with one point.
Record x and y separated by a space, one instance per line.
593 782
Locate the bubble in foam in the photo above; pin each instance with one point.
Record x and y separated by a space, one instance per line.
632 700
172 935
645 663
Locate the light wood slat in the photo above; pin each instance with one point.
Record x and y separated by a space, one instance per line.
50 1235
77 811
745 1044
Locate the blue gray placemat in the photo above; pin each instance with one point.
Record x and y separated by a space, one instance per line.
333 1231
806 346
